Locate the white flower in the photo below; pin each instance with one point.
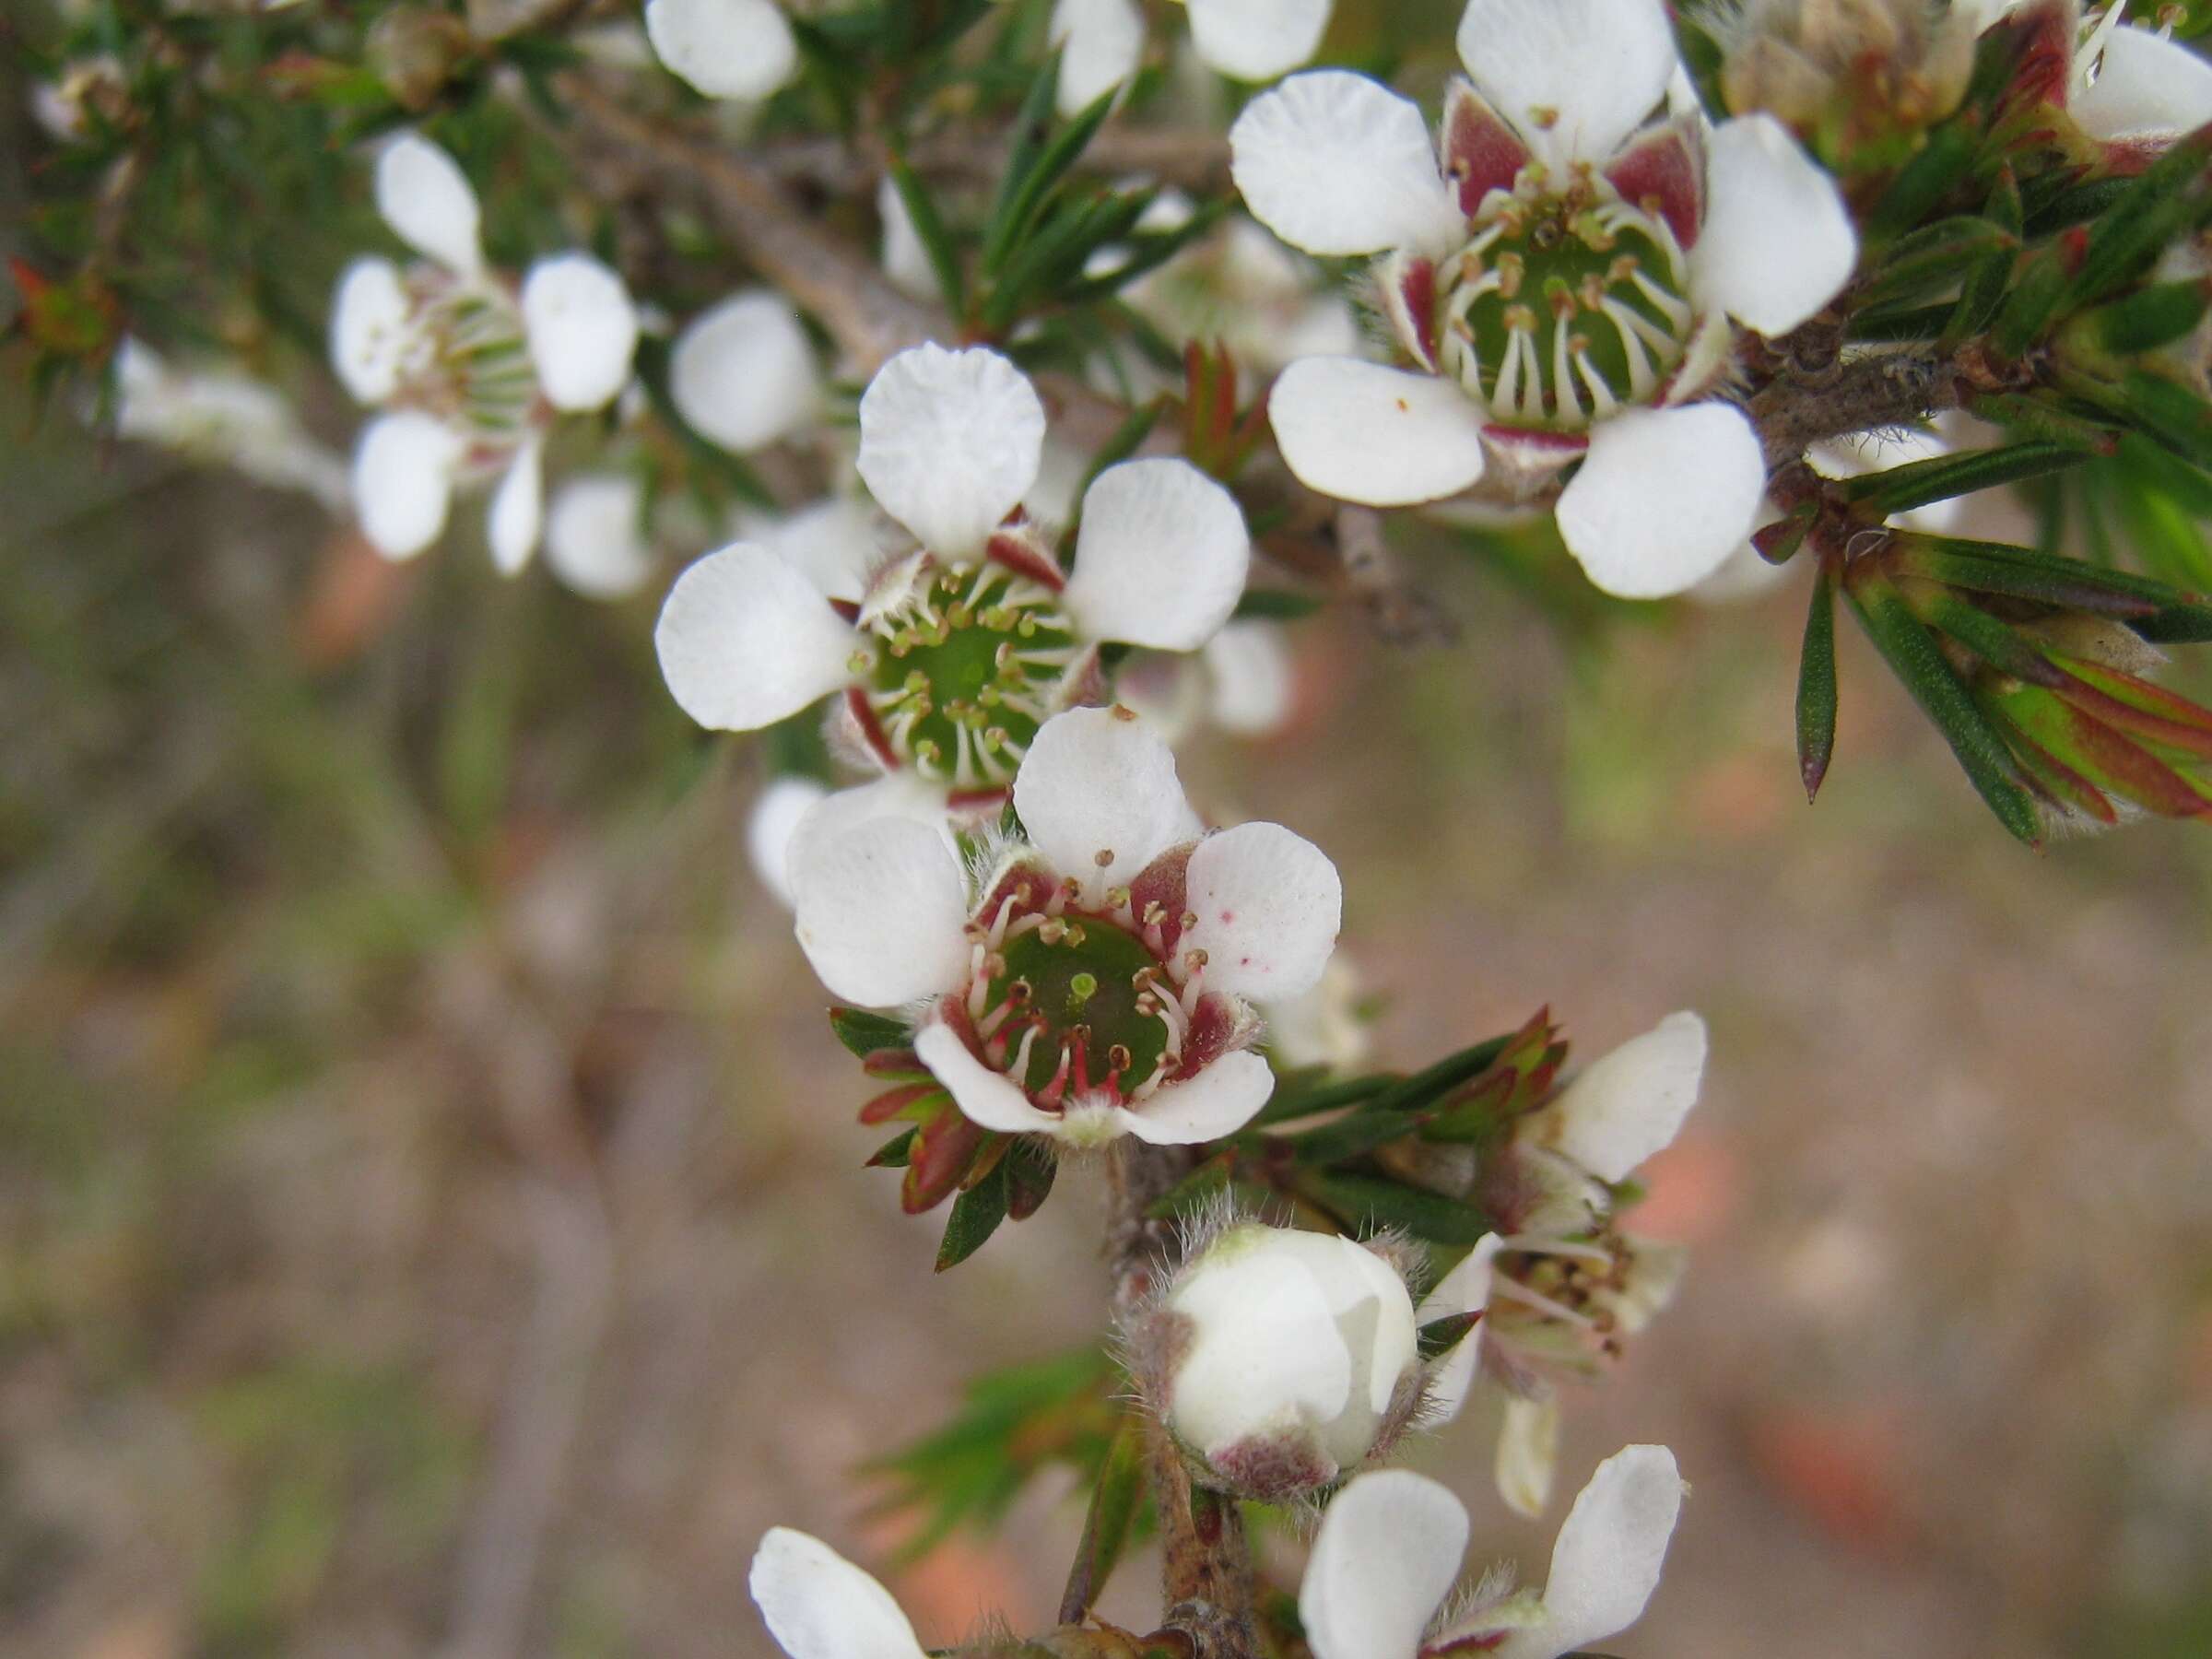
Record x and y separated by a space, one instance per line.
1388 1554
225 417
473 369
1563 1285
1101 42
1092 980
1290 1360
1560 275
948 657
2129 85
742 375
819 1606
733 49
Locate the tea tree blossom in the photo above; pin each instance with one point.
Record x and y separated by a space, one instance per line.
1103 41
1559 276
729 49
742 373
1564 1283
471 369
1092 978
595 539
948 656
1388 1555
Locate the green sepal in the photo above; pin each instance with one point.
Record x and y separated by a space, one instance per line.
1915 658
1439 1336
895 1153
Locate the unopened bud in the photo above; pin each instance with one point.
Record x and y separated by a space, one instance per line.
1286 1360
1846 72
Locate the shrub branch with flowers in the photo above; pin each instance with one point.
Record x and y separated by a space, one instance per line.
1008 379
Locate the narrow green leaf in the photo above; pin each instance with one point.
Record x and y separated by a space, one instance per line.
1942 162
1816 684
863 1033
1916 659
1012 220
1352 1136
1986 636
1290 1104
1432 1082
1940 477
1032 124
976 1214
894 1153
1116 1498
1146 252
1929 259
1370 1202
2145 320
929 229
2028 307
2134 229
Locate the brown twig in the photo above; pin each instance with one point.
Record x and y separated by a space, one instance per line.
1206 1570
870 320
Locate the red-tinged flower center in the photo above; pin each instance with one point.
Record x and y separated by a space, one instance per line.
1087 1004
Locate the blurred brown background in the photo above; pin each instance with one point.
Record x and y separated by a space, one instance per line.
434 1213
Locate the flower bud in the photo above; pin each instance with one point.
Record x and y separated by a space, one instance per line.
1848 72
1285 1361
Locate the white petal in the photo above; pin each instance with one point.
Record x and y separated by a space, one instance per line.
1663 498
1387 1554
1384 437
777 813
1778 242
1100 42
723 48
837 542
427 201
949 442
1252 686
2145 87
582 330
1219 1100
745 641
983 1096
1630 1103
594 542
1269 903
1263 1351
1099 796
1335 163
880 907
819 1606
1606 1561
368 329
905 261
1576 76
1160 558
518 509
1464 1289
403 481
1528 1453
1257 40
743 374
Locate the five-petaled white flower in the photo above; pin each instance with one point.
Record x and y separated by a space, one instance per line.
1388 1554
1561 1281
950 655
1561 275
472 369
1090 979
1101 42
742 50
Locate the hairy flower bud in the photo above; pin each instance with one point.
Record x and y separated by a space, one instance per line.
1285 1361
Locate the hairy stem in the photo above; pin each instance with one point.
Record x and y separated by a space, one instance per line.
1206 1570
